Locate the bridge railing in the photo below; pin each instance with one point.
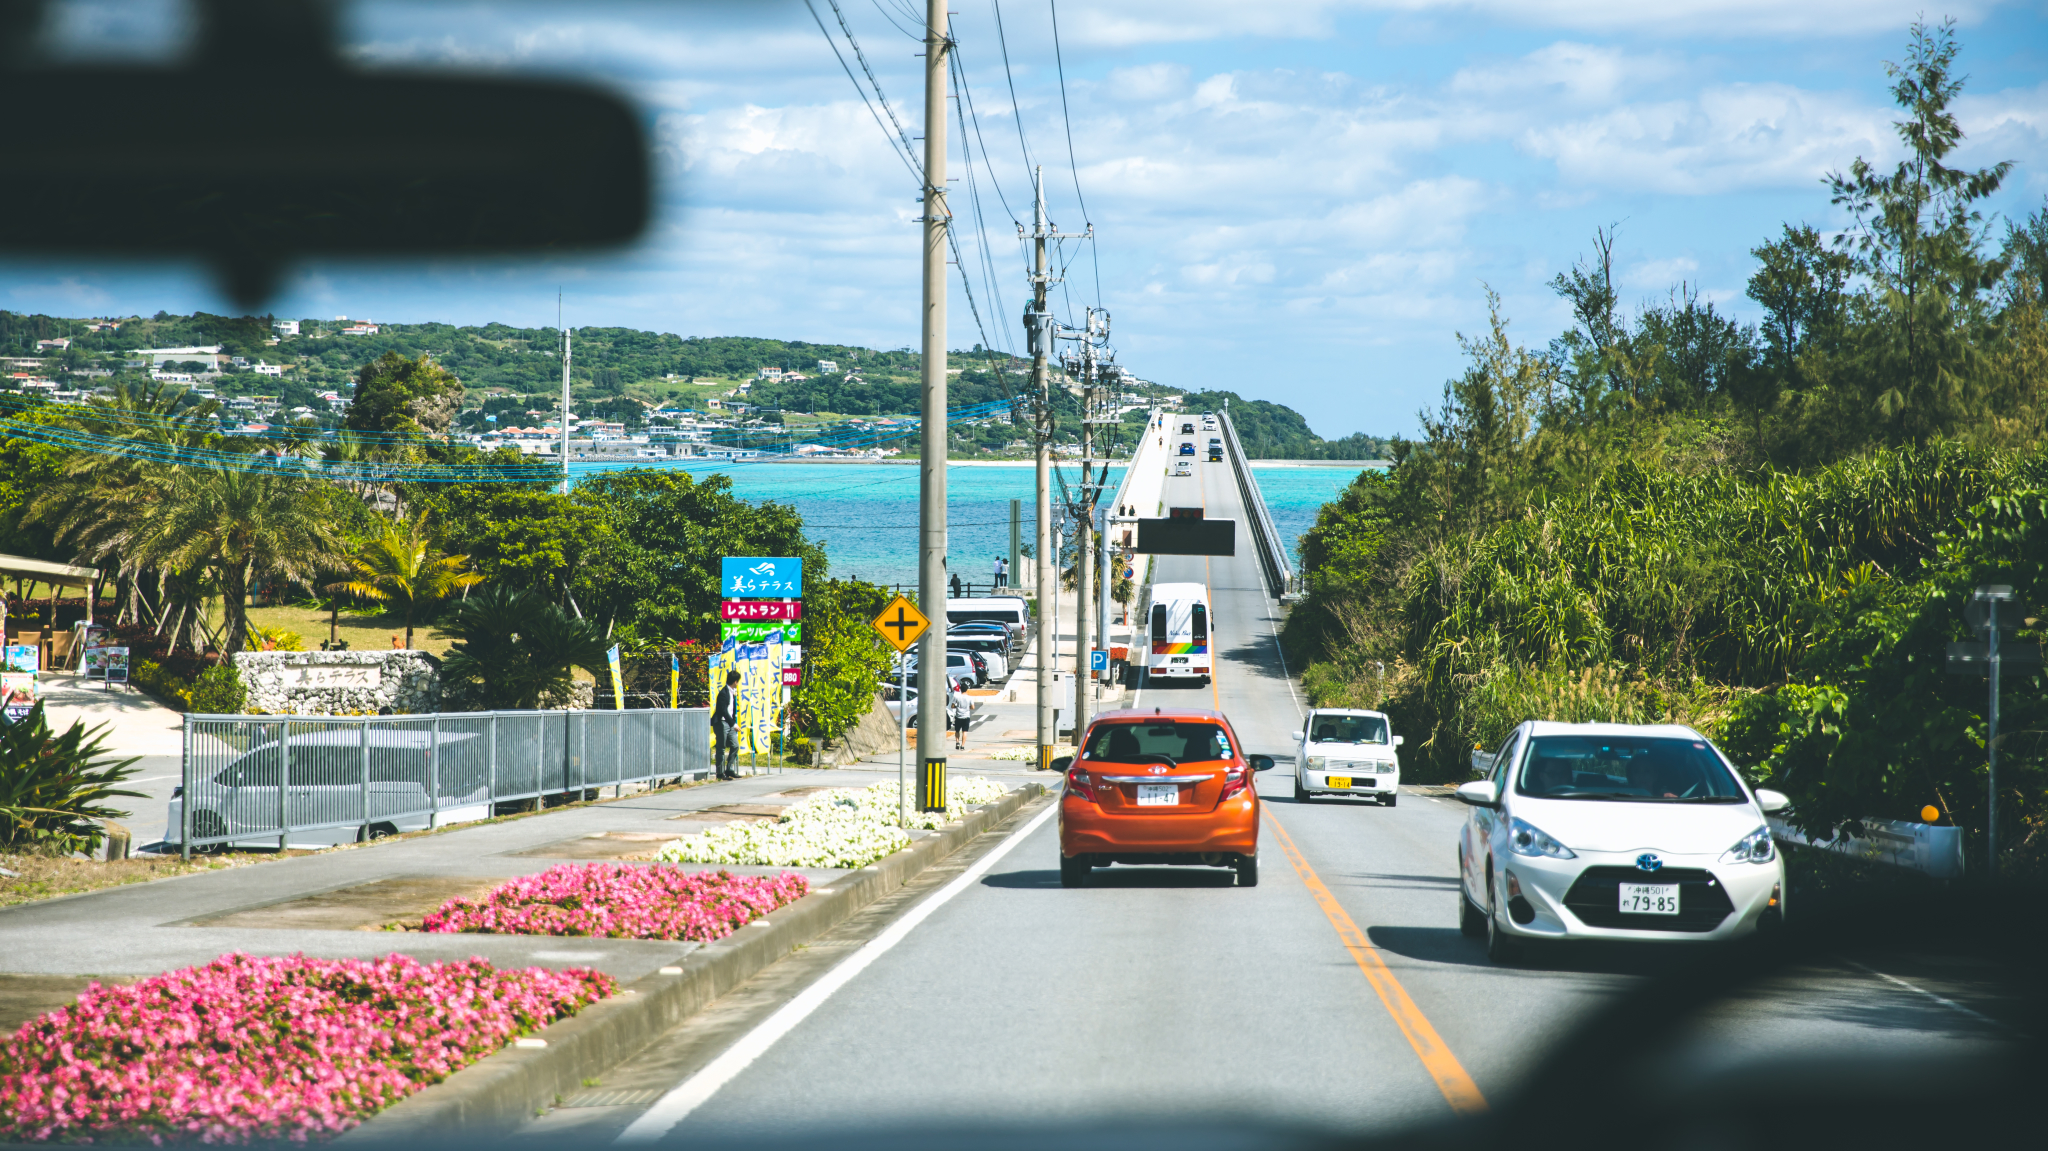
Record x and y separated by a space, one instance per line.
1272 551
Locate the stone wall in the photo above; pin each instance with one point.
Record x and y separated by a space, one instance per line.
399 682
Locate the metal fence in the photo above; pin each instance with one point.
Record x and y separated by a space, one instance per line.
262 777
1271 549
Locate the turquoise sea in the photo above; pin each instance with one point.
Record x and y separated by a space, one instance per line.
866 514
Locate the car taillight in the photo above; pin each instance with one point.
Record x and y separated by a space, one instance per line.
1234 781
1077 784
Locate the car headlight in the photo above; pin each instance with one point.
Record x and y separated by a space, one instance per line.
1756 847
1524 838
1315 762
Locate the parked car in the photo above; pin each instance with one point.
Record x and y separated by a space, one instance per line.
325 785
1347 752
1618 832
987 646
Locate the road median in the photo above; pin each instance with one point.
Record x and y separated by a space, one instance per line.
503 1089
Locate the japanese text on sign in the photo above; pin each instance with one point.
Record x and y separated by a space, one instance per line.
760 577
748 609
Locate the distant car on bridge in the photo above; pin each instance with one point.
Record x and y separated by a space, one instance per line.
1187 447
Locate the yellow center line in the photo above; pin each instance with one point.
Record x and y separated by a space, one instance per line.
1450 1075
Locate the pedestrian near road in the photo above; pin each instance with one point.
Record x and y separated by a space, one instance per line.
956 585
959 716
725 723
1002 570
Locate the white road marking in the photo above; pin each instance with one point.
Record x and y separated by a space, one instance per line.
672 1108
1951 1004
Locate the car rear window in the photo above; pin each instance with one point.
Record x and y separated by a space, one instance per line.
1147 742
1627 768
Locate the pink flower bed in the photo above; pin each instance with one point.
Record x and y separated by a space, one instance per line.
621 902
249 1048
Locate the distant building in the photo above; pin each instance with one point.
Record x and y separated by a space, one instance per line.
208 355
360 330
263 369
769 373
285 327
104 326
56 345
828 366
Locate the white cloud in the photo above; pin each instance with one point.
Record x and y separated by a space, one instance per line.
67 291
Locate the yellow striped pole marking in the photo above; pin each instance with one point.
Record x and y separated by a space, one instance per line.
1451 1079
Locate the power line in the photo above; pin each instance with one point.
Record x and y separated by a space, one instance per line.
1072 165
899 142
1016 109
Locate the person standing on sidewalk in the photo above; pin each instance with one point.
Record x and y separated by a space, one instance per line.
725 724
959 715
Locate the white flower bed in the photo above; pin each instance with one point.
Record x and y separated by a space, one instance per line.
1030 753
844 827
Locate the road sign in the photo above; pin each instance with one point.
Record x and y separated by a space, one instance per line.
1098 660
760 577
750 609
901 623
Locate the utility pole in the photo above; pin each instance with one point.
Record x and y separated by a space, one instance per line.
565 409
1038 334
1084 522
931 559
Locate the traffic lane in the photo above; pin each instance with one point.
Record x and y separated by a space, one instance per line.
1160 993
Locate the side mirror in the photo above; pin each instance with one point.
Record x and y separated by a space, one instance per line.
1397 741
1261 762
1772 802
1482 759
1478 793
1296 735
1062 763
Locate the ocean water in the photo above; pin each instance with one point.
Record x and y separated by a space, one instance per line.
865 515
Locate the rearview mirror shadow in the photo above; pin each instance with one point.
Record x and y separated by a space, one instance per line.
327 160
1062 763
1262 762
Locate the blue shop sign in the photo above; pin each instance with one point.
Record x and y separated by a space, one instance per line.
759 577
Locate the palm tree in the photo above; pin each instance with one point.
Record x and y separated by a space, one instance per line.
403 563
518 648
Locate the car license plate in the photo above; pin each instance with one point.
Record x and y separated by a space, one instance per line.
1340 781
1649 898
1158 795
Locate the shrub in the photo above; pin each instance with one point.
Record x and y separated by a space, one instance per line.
53 787
284 639
618 901
219 691
248 1048
160 682
844 827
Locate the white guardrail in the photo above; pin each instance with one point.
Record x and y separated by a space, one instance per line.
270 777
1923 847
1271 549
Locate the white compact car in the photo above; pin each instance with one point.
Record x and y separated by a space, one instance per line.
1347 752
1615 831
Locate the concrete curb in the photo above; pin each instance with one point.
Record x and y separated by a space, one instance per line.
506 1088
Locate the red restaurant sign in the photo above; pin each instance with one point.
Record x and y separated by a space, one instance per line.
792 677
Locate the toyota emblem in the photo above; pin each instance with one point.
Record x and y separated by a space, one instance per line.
1158 771
1648 862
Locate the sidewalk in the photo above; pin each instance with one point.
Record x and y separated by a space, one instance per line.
334 903
136 725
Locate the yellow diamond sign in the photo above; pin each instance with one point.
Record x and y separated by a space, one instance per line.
901 623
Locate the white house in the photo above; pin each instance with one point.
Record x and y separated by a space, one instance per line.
360 330
285 327
263 369
210 356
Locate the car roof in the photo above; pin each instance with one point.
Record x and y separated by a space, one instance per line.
1347 711
1658 730
1130 713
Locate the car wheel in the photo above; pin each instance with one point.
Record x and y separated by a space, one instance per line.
1388 799
1303 794
1471 920
1501 947
1074 871
209 825
1248 871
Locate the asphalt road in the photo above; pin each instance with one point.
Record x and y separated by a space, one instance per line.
1337 993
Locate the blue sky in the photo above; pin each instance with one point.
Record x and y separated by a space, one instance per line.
1297 201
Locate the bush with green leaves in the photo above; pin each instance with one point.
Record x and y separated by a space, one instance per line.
53 787
219 691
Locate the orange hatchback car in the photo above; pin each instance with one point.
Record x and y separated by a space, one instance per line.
1160 788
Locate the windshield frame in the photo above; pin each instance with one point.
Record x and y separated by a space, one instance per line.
1525 757
1386 738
